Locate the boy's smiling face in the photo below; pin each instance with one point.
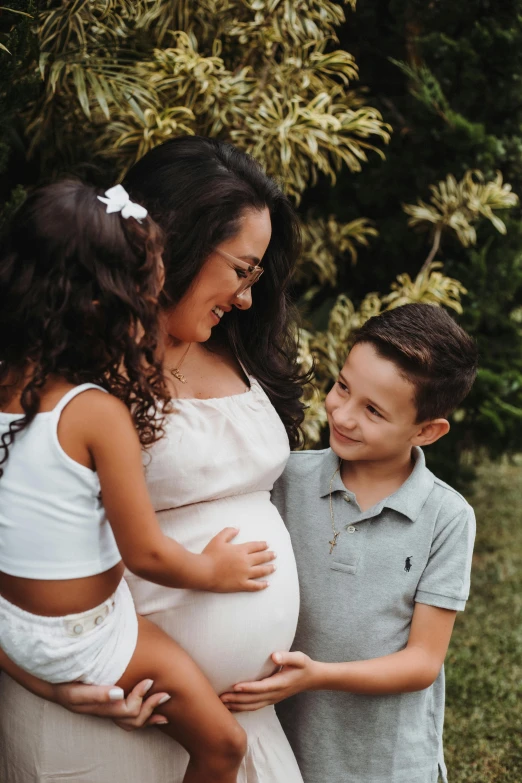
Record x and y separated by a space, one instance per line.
371 410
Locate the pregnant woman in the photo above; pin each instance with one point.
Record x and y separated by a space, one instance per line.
230 362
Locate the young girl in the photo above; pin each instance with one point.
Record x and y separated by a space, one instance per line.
79 333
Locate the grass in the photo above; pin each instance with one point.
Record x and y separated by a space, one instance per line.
483 729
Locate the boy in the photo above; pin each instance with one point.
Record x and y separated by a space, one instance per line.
383 550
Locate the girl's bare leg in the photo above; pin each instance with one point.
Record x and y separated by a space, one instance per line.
197 718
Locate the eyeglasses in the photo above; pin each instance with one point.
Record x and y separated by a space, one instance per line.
253 273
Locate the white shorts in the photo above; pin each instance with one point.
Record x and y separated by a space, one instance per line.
94 647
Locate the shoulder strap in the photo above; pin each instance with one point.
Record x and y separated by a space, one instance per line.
247 374
58 408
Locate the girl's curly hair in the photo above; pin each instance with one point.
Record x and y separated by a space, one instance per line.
78 299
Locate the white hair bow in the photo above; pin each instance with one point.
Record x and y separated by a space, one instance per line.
118 201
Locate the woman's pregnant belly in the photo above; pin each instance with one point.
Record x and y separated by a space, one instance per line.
230 635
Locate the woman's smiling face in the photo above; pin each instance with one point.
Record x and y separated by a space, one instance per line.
214 291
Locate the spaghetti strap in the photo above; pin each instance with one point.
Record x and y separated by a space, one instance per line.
247 374
58 408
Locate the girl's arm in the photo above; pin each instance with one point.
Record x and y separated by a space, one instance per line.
103 701
222 567
414 668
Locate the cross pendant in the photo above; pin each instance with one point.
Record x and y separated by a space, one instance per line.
333 542
177 374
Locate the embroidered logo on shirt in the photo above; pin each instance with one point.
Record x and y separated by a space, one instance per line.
407 564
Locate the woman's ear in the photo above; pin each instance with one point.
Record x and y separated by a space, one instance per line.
431 431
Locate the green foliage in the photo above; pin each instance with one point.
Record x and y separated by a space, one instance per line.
482 736
17 198
447 77
17 88
93 85
456 205
16 48
264 74
326 244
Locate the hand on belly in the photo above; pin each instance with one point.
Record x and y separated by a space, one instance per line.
232 636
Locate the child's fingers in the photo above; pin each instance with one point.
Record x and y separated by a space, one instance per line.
236 707
296 659
254 585
259 571
251 698
268 685
258 558
226 535
254 546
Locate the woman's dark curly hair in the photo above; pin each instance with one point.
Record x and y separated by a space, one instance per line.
197 189
77 288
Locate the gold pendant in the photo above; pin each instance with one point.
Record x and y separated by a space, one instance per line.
177 374
333 542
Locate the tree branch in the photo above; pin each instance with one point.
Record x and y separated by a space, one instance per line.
434 249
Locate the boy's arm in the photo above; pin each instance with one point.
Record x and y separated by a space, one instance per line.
222 567
441 592
412 669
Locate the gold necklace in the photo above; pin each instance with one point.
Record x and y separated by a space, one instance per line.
174 371
336 533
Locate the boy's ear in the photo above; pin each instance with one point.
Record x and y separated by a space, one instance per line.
430 432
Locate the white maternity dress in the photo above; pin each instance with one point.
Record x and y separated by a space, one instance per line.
214 468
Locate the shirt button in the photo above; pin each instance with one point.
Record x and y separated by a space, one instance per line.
99 620
351 529
78 629
347 498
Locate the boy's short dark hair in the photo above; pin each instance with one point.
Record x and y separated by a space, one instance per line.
431 351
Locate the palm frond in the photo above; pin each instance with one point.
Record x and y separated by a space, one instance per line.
430 286
133 134
326 242
460 205
297 140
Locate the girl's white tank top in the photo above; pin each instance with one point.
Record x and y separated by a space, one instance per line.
52 520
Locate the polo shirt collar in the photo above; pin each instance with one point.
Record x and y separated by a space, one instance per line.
329 465
408 500
412 495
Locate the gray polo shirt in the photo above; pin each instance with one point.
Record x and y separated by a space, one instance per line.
357 603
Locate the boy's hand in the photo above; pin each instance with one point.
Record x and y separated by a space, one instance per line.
237 567
298 673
